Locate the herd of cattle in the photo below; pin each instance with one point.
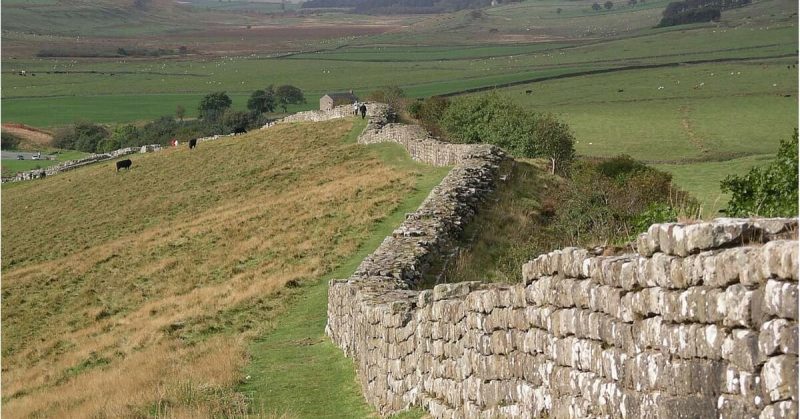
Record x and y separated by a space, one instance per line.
126 164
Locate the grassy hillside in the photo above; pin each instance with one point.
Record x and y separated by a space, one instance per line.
162 274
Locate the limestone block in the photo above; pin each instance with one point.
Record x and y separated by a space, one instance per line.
482 301
669 304
502 342
735 407
779 378
778 336
779 259
738 304
449 311
741 349
780 299
513 296
786 409
425 297
648 243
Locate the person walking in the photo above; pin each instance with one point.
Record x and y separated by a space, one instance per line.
363 110
355 108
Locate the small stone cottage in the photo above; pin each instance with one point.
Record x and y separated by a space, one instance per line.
332 100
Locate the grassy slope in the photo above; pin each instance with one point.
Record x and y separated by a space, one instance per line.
166 271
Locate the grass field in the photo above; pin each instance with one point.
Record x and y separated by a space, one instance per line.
165 272
698 122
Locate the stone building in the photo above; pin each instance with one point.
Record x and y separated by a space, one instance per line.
332 100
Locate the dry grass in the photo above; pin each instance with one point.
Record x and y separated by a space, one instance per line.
133 293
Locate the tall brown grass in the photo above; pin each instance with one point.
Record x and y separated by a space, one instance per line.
133 294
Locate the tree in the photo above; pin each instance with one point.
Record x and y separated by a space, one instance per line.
180 112
213 105
123 136
769 191
235 121
555 141
608 5
289 95
262 101
596 7
391 95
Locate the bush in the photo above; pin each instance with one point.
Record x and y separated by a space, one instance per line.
613 200
429 112
9 141
495 119
769 191
82 136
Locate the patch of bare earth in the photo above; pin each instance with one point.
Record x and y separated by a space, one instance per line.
31 135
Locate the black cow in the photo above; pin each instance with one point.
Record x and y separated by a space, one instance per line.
527 92
192 143
124 164
42 175
239 130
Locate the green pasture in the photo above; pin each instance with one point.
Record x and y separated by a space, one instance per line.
707 121
63 91
702 179
380 53
242 6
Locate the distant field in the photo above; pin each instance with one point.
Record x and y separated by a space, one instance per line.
699 121
702 179
168 288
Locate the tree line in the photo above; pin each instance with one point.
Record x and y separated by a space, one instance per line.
215 117
696 11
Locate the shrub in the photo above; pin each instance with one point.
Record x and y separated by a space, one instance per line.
769 191
495 119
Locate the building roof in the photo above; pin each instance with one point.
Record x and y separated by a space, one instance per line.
342 95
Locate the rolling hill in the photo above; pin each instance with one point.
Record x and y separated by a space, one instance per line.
136 293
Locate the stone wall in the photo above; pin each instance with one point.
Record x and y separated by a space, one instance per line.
74 164
701 322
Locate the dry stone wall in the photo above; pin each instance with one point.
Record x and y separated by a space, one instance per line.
701 322
74 164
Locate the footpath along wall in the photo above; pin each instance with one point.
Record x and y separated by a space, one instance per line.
700 322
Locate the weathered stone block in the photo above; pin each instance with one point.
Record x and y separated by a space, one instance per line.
786 409
779 377
780 299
